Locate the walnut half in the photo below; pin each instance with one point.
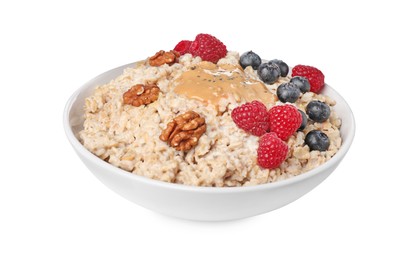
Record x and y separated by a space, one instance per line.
141 94
162 57
184 131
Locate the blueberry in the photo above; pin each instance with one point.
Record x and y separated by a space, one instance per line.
282 66
268 72
250 59
317 140
288 92
304 121
318 111
302 83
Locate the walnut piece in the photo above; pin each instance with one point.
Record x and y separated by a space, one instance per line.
184 131
141 94
162 57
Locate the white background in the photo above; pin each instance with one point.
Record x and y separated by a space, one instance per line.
52 207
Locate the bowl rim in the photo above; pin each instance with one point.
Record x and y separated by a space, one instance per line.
111 169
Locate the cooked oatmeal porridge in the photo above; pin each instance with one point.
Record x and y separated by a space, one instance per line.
172 122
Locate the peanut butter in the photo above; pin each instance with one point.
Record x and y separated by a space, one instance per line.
210 83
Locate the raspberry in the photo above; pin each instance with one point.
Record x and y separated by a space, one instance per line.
272 151
208 47
314 76
183 46
252 117
284 120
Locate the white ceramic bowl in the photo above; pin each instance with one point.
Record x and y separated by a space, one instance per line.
200 203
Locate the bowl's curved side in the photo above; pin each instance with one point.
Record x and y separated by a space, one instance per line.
199 203
204 204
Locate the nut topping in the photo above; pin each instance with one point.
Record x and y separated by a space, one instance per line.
162 57
141 94
184 131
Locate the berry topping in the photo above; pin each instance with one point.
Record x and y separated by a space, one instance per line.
288 92
183 47
208 47
317 140
302 83
272 151
304 121
269 72
284 120
313 75
318 111
252 117
250 59
282 66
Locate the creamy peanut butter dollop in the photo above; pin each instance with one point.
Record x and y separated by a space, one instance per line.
210 83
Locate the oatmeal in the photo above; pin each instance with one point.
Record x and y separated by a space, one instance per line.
182 130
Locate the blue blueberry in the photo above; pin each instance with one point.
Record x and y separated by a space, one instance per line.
288 92
269 72
250 59
304 121
282 66
302 83
318 111
317 140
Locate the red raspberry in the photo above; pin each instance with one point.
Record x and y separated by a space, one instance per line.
314 76
252 117
272 151
208 47
284 120
183 46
